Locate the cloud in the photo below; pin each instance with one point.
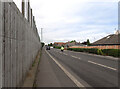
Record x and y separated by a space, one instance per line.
65 20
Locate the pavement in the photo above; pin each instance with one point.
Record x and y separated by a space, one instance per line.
50 75
75 69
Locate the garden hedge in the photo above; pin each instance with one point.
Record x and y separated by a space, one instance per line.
111 52
105 52
58 47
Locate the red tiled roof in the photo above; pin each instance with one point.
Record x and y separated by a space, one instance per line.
59 43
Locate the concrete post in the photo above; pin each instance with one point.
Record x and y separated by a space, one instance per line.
28 11
1 42
23 7
31 18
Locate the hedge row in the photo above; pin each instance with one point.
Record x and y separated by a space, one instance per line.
58 47
112 52
105 52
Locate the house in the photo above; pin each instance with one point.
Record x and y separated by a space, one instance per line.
59 44
113 39
69 44
109 42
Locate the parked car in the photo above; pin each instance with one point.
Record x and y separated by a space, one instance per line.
47 47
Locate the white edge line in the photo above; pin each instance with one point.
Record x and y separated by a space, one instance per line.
102 65
66 72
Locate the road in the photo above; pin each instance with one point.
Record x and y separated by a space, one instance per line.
83 69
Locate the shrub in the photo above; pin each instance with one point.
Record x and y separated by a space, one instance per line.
42 44
99 51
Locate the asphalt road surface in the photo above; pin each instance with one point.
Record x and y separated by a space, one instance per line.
83 69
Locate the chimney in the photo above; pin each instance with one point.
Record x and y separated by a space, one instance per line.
117 32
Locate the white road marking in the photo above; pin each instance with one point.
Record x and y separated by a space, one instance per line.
79 58
75 57
110 57
102 65
65 54
66 72
72 56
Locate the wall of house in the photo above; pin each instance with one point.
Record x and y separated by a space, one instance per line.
98 47
70 44
20 47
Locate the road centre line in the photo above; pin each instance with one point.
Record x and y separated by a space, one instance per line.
110 57
102 65
78 58
96 63
75 57
72 56
66 72
65 54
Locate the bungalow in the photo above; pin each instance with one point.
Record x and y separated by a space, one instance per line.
113 39
109 42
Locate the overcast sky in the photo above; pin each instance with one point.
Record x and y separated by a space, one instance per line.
66 20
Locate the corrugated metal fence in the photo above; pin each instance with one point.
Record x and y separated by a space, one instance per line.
19 45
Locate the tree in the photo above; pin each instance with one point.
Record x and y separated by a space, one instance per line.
50 44
72 41
88 42
84 43
42 44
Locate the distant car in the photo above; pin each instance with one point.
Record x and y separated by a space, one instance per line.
47 47
51 47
